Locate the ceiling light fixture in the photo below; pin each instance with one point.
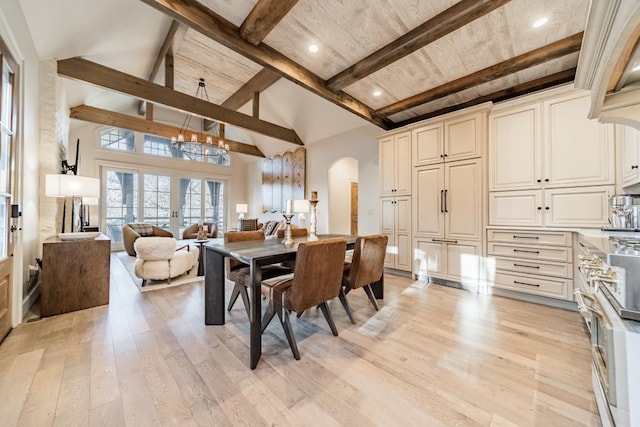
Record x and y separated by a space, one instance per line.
211 149
636 67
540 22
377 92
313 48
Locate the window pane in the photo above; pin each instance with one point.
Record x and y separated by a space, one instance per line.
5 152
121 204
190 202
214 204
157 201
118 139
4 202
7 92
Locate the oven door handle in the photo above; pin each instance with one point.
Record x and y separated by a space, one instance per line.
585 309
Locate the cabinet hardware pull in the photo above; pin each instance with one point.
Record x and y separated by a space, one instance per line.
524 283
442 201
528 252
539 208
547 208
444 241
527 266
525 237
634 166
446 155
546 180
538 180
445 199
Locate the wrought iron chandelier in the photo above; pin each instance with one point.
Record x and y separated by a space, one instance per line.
207 141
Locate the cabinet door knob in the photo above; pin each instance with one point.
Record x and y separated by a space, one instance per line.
546 180
547 208
538 180
539 208
634 166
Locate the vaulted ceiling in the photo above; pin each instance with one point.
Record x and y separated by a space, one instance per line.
386 62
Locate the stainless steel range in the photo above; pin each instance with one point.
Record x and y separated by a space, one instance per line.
608 295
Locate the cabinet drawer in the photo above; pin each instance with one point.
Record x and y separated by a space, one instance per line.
548 287
534 267
545 253
530 237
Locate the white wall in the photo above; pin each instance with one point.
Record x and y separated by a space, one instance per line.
14 32
361 144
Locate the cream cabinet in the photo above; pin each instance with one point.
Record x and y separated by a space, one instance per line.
629 144
553 207
549 143
395 222
449 140
448 202
395 164
449 260
531 261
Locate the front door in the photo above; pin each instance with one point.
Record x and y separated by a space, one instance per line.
8 125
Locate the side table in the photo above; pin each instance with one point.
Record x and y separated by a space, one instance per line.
200 244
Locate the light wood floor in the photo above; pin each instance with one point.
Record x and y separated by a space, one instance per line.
432 356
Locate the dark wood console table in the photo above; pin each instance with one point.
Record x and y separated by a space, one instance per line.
75 274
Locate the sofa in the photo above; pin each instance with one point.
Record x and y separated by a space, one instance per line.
159 258
132 232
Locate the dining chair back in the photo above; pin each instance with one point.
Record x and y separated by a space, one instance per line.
365 268
316 279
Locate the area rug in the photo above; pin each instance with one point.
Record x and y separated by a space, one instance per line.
153 285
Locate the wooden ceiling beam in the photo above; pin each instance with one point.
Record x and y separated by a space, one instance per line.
111 118
91 72
263 18
162 54
202 19
437 27
546 53
258 83
551 80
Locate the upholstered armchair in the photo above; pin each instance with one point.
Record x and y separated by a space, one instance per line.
131 232
158 258
191 232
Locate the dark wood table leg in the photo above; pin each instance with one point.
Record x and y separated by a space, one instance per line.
256 306
378 288
214 288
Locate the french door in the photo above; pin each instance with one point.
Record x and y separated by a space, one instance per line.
170 201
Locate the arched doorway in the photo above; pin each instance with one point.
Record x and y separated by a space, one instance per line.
343 196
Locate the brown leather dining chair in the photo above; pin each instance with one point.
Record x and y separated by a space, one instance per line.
316 279
239 272
365 268
295 232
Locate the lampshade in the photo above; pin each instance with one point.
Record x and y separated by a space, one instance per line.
242 208
301 206
58 185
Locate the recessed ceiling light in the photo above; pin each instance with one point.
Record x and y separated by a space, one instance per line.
377 92
540 22
636 67
313 48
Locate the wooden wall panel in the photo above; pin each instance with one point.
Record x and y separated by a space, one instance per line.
277 184
283 178
267 185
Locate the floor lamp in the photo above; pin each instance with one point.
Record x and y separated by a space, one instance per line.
76 187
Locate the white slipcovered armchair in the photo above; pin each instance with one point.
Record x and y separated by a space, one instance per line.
158 258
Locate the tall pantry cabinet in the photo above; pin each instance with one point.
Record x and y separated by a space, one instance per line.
395 198
436 221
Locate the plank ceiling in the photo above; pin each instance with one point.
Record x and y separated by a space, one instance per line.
493 53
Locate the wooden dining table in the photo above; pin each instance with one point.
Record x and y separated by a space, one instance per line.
256 254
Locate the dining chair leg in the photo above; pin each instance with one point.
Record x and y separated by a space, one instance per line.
288 331
372 297
269 313
345 303
235 293
298 315
327 315
245 299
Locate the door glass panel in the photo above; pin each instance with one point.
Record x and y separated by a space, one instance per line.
5 154
157 201
214 204
190 202
7 92
4 243
121 202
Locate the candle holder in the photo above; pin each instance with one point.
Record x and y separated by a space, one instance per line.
313 221
288 239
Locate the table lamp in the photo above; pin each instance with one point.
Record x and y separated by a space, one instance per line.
241 209
76 187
